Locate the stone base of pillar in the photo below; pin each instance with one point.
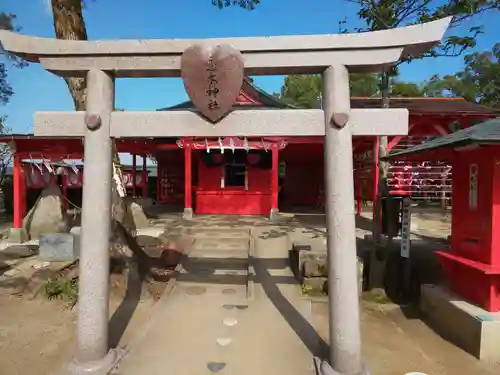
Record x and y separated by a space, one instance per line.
324 368
188 214
274 215
102 367
18 235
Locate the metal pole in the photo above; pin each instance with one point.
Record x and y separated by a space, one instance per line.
343 296
92 356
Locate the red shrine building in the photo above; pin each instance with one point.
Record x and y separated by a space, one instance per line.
249 176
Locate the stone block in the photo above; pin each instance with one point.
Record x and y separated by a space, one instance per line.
468 326
315 286
313 264
138 216
18 235
59 247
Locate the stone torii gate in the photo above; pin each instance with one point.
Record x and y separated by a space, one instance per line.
331 55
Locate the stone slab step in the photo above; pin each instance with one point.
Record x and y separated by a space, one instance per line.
220 269
219 254
221 243
218 234
220 248
192 264
210 278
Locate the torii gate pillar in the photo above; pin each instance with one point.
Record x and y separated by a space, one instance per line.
92 355
343 295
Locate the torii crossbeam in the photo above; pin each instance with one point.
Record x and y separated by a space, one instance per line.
331 55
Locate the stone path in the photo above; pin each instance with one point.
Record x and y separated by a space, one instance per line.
211 323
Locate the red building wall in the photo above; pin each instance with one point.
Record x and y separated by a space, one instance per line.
304 176
210 198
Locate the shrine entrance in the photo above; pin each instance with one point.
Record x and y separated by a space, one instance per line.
213 72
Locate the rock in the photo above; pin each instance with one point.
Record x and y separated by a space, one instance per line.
313 264
138 216
315 286
59 247
48 215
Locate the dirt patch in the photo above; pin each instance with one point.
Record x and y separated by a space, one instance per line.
40 334
395 344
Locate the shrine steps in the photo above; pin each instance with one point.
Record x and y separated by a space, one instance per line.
219 257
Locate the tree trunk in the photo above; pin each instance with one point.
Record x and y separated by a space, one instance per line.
69 24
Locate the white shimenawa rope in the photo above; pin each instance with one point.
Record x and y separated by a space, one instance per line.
118 177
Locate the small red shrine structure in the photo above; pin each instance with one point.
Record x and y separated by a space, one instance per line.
239 175
472 264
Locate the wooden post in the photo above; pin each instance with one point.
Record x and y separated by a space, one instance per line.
188 198
134 174
376 176
18 191
145 189
274 182
65 188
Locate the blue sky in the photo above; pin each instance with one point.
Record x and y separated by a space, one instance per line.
37 90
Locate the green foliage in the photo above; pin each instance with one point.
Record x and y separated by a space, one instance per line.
388 14
65 290
305 90
5 89
302 91
479 81
245 4
364 85
6 23
406 89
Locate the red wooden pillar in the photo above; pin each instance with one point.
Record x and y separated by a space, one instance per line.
159 177
145 189
376 151
134 174
188 198
274 180
19 187
359 198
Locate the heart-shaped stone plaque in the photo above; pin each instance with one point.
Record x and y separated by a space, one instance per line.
212 77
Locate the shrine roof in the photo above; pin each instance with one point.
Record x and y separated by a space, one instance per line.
264 99
484 133
420 105
416 106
